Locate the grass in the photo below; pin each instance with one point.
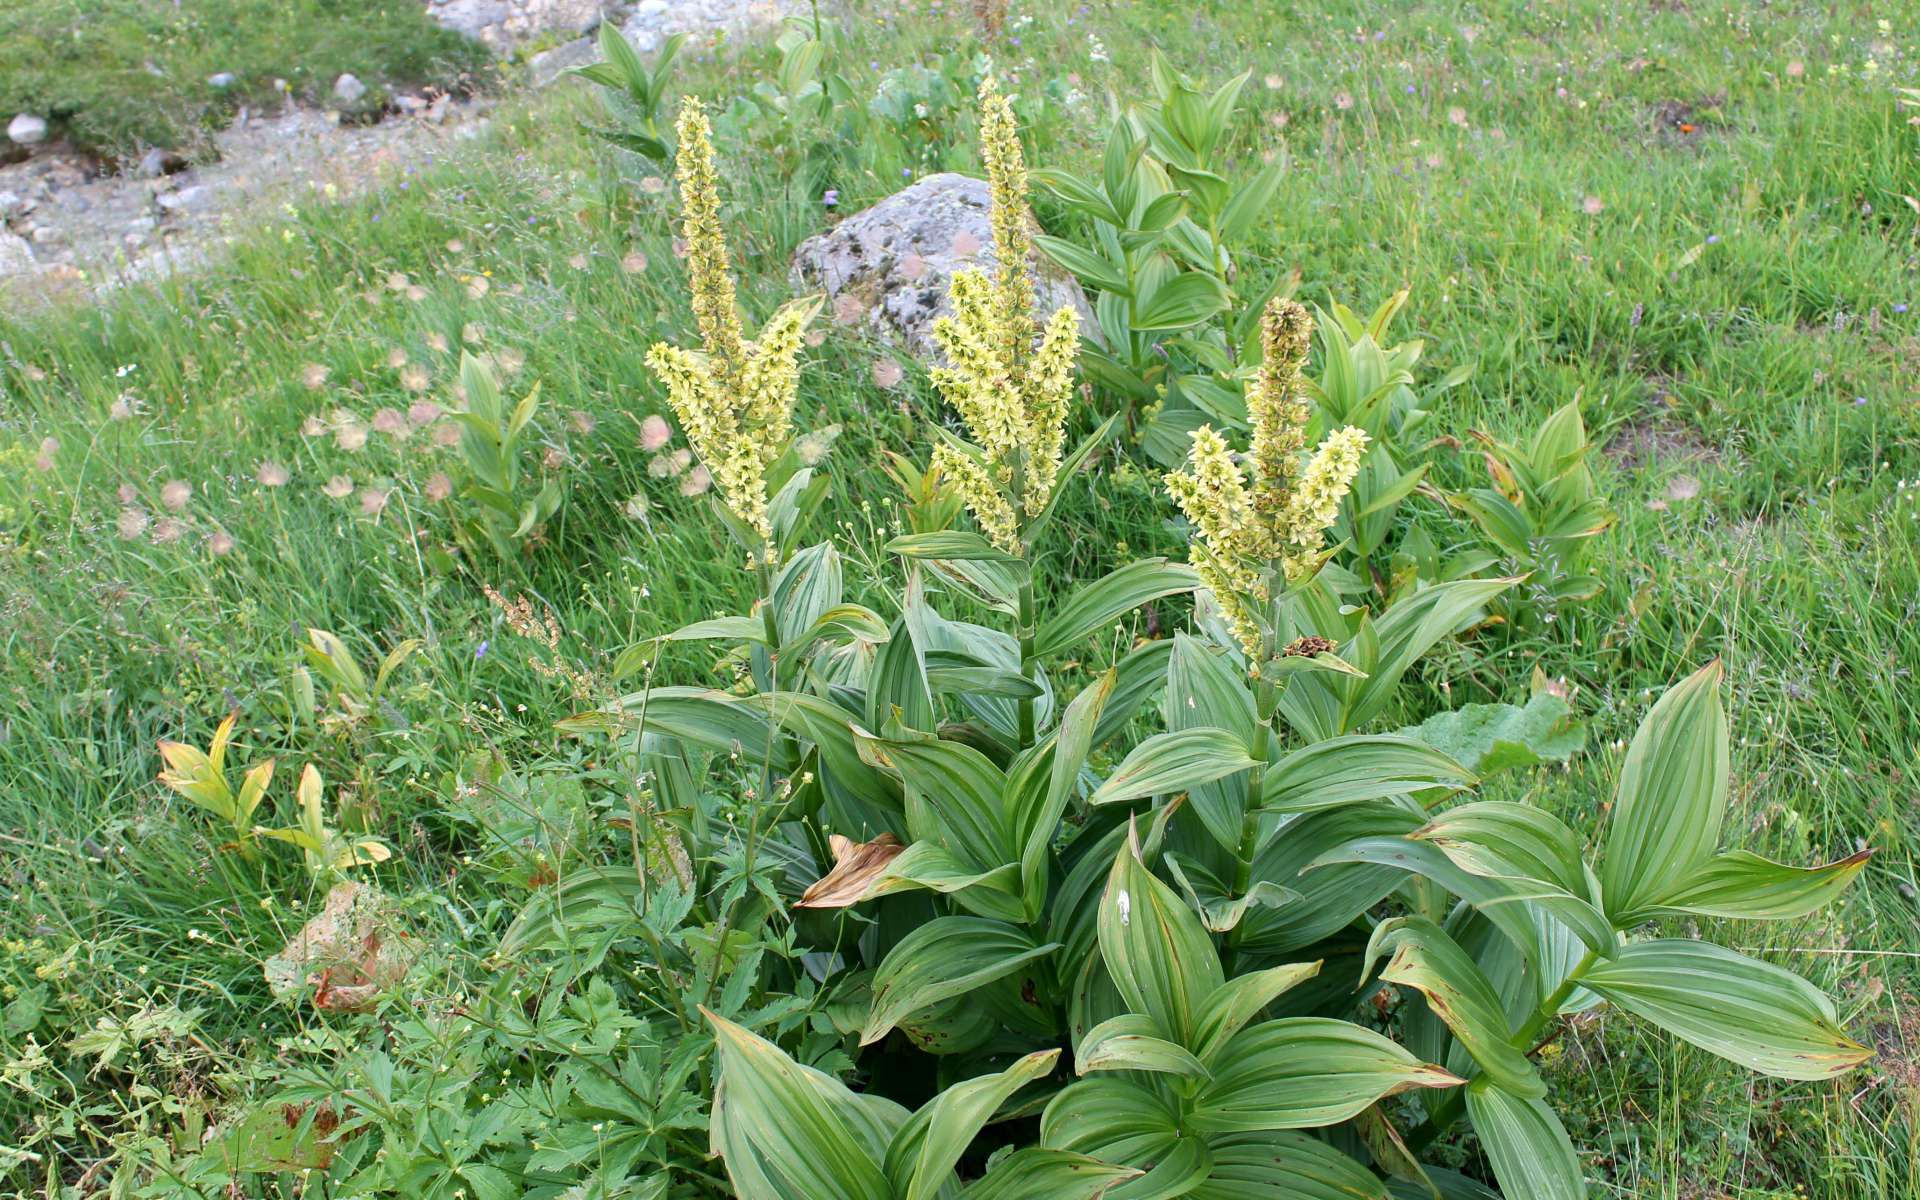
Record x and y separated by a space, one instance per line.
1690 219
113 76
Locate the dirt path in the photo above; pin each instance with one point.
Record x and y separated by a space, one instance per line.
68 229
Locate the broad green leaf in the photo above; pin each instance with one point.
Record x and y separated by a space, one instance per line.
1333 896
1160 958
1345 770
1184 301
809 585
1140 674
1671 800
1219 911
782 1128
1282 1165
1503 839
1204 688
1746 886
1750 1012
1094 606
946 957
1111 1118
1134 1042
921 1159
1120 1121
1032 1173
1525 1142
740 629
1504 900
857 620
1249 203
1173 762
1226 1011
1034 826
1303 1073
1091 267
954 795
1427 960
953 544
1490 738
706 717
993 892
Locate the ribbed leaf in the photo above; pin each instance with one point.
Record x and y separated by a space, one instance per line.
1204 688
1239 1000
1173 762
1500 899
1743 885
1036 1174
946 957
1356 767
1160 958
921 1158
1753 1013
783 1129
1269 1165
1527 1145
1303 1073
1671 800
1427 960
1501 838
1134 1042
954 795
1096 605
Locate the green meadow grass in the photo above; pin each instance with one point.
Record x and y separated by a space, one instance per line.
1728 301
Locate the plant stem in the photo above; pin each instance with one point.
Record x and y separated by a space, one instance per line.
1264 699
1029 664
1448 1110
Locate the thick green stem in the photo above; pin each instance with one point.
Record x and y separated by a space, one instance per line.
1448 1110
1029 663
1265 699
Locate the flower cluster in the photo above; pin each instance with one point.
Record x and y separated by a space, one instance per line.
1271 528
1011 393
734 398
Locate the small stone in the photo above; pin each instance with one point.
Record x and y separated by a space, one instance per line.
157 162
222 80
26 129
16 257
186 199
549 66
12 204
44 235
407 103
348 88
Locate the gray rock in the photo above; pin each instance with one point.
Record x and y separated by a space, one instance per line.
548 66
223 80
16 257
347 89
13 204
157 162
409 103
25 129
187 199
885 270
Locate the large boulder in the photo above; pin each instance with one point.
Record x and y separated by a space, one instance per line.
505 24
885 270
654 21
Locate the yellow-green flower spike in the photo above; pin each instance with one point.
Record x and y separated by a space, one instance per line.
1012 395
709 272
1275 406
734 398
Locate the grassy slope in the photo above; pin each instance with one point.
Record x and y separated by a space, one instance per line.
1739 364
115 75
